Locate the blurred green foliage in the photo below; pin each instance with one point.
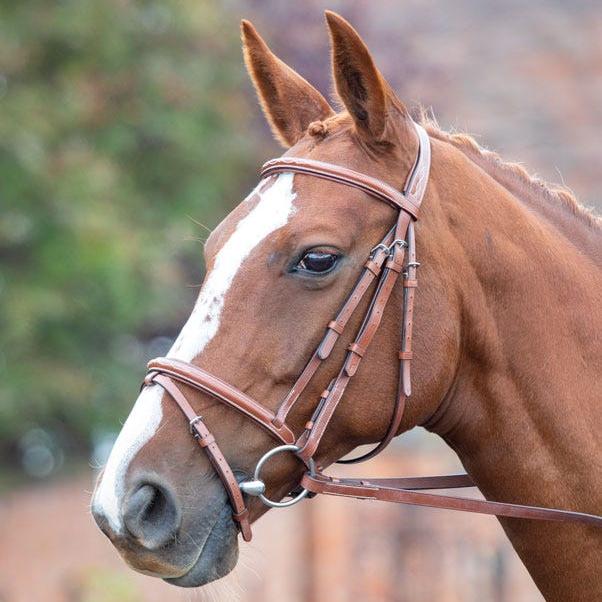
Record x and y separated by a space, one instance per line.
118 119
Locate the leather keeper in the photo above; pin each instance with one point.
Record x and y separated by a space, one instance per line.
373 267
410 283
395 260
239 516
334 325
406 355
357 349
148 379
394 264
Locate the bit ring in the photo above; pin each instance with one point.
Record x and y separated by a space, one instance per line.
257 476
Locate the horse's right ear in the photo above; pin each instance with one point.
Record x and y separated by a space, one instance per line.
288 101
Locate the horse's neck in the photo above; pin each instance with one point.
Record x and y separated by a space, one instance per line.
524 411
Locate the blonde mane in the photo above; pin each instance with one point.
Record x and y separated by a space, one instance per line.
553 200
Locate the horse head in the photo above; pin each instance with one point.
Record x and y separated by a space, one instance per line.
277 269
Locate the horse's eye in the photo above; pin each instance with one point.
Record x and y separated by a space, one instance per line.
317 262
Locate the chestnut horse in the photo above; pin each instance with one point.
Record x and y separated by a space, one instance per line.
507 352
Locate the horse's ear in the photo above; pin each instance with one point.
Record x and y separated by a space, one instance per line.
288 101
366 95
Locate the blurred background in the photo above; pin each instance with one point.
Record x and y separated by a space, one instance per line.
129 128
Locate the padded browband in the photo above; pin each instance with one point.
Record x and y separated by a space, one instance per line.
342 175
408 200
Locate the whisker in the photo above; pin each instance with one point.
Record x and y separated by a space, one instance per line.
200 224
247 563
194 542
196 239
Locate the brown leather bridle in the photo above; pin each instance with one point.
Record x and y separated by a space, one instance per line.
395 255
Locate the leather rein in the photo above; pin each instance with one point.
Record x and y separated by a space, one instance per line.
393 257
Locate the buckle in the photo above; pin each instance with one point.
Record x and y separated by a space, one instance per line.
191 426
379 246
397 242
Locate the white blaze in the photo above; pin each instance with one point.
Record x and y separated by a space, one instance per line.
273 210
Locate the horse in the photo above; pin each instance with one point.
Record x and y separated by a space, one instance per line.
506 347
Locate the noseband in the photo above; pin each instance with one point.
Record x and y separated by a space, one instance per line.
393 256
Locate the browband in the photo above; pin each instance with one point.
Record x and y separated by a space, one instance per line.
408 200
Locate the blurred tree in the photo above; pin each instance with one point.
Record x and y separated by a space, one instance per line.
118 119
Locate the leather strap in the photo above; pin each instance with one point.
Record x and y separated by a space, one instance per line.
410 283
415 186
207 442
398 493
312 436
336 327
202 380
414 189
343 175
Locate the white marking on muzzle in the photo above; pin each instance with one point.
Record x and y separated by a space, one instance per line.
273 211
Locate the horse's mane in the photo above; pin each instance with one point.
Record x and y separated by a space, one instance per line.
551 199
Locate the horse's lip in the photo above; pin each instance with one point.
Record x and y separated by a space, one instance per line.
181 573
187 578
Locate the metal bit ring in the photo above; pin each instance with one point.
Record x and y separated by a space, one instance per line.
254 488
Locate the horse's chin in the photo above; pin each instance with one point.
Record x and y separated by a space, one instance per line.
217 557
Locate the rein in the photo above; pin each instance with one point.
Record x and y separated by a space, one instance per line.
395 255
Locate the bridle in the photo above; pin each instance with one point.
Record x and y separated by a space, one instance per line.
395 255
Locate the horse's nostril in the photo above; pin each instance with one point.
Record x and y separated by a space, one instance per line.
151 515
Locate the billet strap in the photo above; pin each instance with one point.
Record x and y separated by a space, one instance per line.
204 381
207 442
402 491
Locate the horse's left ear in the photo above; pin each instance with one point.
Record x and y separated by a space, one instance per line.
365 93
289 102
